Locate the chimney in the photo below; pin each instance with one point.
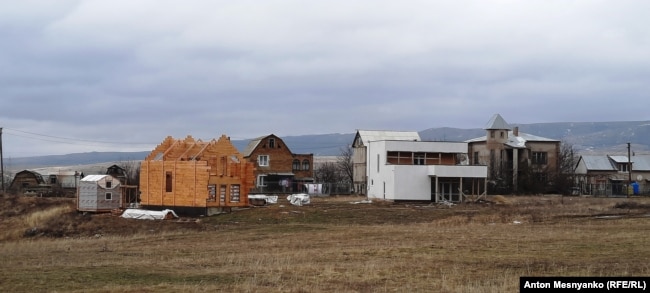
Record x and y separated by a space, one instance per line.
515 131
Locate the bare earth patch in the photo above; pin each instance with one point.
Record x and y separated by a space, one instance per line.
333 244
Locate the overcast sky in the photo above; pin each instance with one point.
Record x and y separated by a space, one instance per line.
96 75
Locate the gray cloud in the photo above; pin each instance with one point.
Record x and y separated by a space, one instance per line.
125 74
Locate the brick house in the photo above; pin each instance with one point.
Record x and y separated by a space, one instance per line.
277 169
512 155
195 177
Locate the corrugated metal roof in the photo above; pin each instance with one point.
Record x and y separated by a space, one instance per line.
497 122
619 159
598 163
641 163
516 141
377 135
94 178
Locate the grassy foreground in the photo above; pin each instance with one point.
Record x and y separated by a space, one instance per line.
335 246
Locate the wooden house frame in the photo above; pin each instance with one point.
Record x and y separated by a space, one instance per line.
195 177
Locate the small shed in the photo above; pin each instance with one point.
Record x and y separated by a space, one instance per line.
99 193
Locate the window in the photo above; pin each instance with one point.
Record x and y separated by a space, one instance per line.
491 133
212 192
418 159
52 179
623 167
261 180
305 165
271 142
476 158
168 181
222 193
109 184
296 165
541 177
501 132
234 193
109 196
263 160
539 158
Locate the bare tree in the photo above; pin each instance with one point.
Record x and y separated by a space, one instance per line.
327 173
132 172
344 164
567 161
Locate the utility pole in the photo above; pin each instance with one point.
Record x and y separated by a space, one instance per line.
2 164
629 171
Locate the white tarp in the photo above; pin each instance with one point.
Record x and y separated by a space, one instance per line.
314 188
270 199
298 199
148 215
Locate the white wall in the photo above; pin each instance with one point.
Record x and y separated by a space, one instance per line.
412 182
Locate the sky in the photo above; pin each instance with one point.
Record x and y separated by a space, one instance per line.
121 75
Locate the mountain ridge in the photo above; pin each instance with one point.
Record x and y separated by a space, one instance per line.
585 137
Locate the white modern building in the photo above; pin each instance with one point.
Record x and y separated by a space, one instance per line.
422 171
360 152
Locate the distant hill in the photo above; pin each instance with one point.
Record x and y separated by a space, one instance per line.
586 137
72 159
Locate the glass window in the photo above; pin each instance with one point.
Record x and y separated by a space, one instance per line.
418 159
109 196
261 180
306 165
539 158
296 164
263 160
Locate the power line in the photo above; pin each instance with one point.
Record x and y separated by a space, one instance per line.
68 140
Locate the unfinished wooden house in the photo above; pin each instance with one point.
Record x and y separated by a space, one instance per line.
99 193
195 177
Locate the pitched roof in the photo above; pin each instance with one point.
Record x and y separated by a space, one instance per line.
93 178
517 141
641 163
252 145
38 176
367 136
601 163
619 159
497 122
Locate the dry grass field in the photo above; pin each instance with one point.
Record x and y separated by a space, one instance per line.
330 245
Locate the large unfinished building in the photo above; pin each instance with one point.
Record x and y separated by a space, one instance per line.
195 177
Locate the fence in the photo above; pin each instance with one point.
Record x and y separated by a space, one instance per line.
284 187
612 189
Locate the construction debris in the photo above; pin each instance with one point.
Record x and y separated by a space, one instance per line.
148 215
299 199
